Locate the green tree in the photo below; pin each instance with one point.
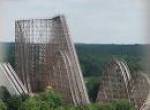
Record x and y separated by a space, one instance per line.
33 103
4 94
123 105
92 84
2 105
52 98
14 102
30 104
48 100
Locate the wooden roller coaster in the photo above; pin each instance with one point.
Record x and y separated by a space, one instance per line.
118 83
45 56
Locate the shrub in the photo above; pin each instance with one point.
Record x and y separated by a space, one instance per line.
2 105
48 100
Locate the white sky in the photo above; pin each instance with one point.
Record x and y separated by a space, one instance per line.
90 21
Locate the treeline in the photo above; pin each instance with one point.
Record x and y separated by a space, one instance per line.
51 100
93 58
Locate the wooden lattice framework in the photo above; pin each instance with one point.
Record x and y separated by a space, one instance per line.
117 83
45 56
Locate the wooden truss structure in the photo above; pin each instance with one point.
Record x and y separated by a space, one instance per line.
46 56
118 83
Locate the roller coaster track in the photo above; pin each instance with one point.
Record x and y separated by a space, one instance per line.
10 80
146 104
76 91
118 71
136 87
125 74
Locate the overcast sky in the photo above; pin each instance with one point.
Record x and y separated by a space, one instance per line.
90 21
